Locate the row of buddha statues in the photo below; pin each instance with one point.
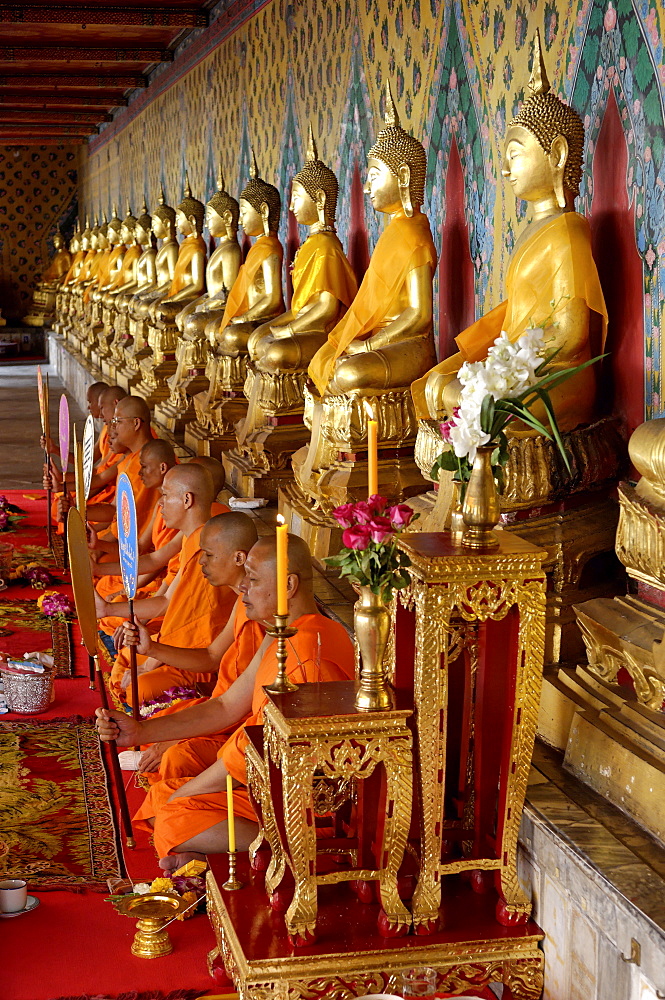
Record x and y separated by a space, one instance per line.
284 395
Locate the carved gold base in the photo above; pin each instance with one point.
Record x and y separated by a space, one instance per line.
351 960
262 465
321 533
38 318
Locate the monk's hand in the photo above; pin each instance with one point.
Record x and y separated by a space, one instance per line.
118 637
91 536
137 635
117 726
152 757
64 503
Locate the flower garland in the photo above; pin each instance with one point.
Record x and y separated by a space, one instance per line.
56 607
171 696
370 557
10 515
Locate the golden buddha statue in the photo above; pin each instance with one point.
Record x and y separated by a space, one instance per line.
187 284
383 342
126 275
256 295
140 274
552 281
222 213
324 286
110 265
159 272
62 297
67 316
85 282
42 309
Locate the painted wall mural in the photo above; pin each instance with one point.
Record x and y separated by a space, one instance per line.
37 196
459 71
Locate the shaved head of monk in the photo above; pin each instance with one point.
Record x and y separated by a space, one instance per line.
132 422
186 490
93 396
259 588
225 544
157 457
108 397
214 467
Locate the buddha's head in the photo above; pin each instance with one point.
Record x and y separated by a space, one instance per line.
75 242
314 190
190 213
143 226
58 241
86 234
222 211
102 233
260 204
114 228
544 143
163 219
396 167
128 227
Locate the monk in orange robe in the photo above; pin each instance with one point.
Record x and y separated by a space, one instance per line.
193 611
189 816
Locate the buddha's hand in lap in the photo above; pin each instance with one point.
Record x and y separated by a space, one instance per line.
355 347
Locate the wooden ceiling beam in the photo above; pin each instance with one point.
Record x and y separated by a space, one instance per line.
48 128
112 83
86 14
13 141
10 116
36 99
80 53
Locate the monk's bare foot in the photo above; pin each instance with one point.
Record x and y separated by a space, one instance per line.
172 862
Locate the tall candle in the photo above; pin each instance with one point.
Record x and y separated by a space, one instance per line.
231 819
282 566
372 452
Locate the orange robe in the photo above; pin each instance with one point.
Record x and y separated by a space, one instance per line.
189 248
238 300
177 760
196 613
108 458
179 821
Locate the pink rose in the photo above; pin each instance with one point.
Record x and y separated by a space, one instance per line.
400 515
363 512
377 503
381 528
357 537
344 515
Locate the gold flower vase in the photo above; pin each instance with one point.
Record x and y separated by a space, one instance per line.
371 620
481 509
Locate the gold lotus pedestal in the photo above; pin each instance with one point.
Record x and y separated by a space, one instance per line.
333 469
222 407
187 380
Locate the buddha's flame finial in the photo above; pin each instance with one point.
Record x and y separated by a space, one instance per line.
144 207
115 210
220 179
162 196
129 208
312 152
253 166
391 116
188 190
104 219
538 82
96 221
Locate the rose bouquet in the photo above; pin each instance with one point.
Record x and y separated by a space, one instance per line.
370 557
513 378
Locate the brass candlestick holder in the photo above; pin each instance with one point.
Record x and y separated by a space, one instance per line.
281 631
232 882
154 910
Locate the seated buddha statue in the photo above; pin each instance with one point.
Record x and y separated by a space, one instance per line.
280 350
159 272
188 284
68 313
109 271
140 272
86 281
380 345
43 299
62 296
552 281
255 296
222 212
125 277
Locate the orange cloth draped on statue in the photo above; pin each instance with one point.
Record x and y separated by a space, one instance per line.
189 247
237 302
124 273
320 265
58 268
196 613
78 258
85 267
176 761
320 651
100 270
547 273
404 245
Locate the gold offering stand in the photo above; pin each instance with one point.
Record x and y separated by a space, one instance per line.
152 912
467 661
